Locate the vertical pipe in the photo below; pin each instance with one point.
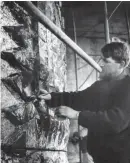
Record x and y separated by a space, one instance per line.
76 75
106 24
75 55
36 71
127 23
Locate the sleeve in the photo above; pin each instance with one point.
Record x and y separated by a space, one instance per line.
76 100
114 120
70 99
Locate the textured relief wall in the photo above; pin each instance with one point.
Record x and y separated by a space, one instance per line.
52 50
32 58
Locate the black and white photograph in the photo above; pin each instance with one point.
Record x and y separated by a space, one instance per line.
65 81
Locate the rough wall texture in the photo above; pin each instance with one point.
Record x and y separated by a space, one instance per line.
27 135
52 50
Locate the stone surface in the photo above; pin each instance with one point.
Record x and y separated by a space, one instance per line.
26 137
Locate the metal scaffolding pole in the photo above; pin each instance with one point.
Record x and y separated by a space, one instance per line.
76 75
89 75
60 34
114 10
75 56
127 23
106 24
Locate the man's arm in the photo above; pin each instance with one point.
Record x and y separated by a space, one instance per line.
75 100
69 99
114 120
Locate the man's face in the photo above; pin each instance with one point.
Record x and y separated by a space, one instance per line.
110 68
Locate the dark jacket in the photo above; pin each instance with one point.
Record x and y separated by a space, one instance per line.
105 111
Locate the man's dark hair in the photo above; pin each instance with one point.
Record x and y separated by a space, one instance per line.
118 51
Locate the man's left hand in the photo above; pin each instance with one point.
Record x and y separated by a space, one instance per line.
68 112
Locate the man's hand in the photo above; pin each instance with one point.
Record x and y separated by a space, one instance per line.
44 95
68 112
83 132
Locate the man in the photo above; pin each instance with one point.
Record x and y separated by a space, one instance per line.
103 108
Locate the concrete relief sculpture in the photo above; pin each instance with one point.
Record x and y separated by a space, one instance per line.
30 130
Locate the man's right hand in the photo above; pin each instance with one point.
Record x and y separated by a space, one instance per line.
44 95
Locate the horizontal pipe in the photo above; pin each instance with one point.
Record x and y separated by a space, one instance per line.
70 30
60 34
